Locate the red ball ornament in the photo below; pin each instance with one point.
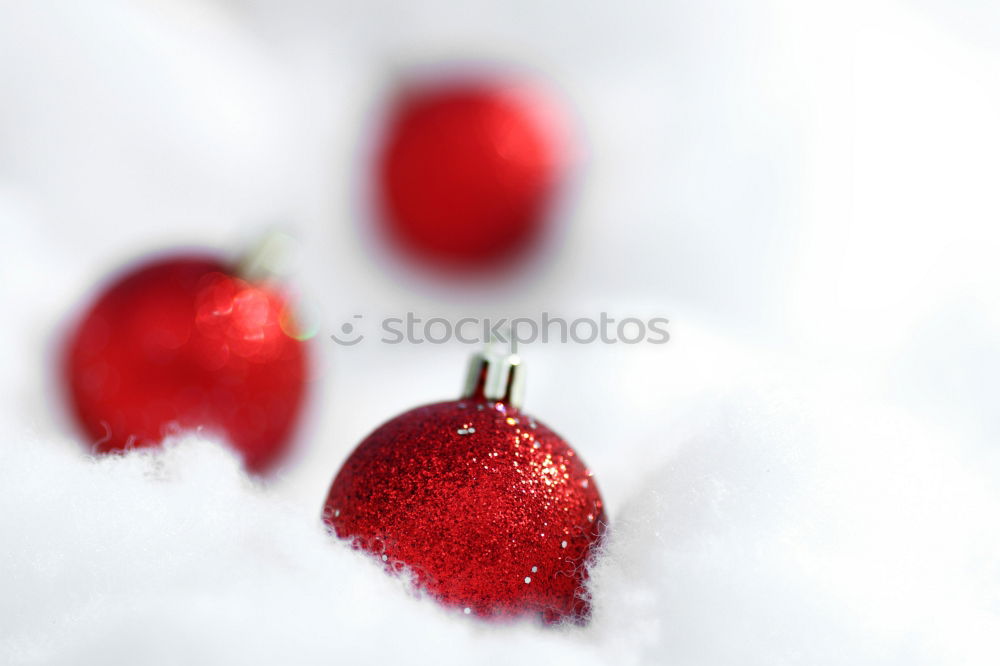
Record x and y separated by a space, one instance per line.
489 509
468 171
179 343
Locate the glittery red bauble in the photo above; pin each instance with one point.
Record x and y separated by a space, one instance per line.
468 172
491 511
181 343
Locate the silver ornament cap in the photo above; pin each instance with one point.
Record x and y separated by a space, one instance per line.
495 376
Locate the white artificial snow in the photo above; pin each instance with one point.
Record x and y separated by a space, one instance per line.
770 532
176 557
803 528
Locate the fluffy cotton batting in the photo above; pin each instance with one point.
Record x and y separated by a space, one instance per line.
759 532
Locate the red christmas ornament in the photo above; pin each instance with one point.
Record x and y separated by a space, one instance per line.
468 171
491 510
180 343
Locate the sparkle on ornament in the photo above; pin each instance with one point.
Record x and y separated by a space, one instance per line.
527 579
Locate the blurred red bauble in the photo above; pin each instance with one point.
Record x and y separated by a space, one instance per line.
468 171
181 343
490 510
